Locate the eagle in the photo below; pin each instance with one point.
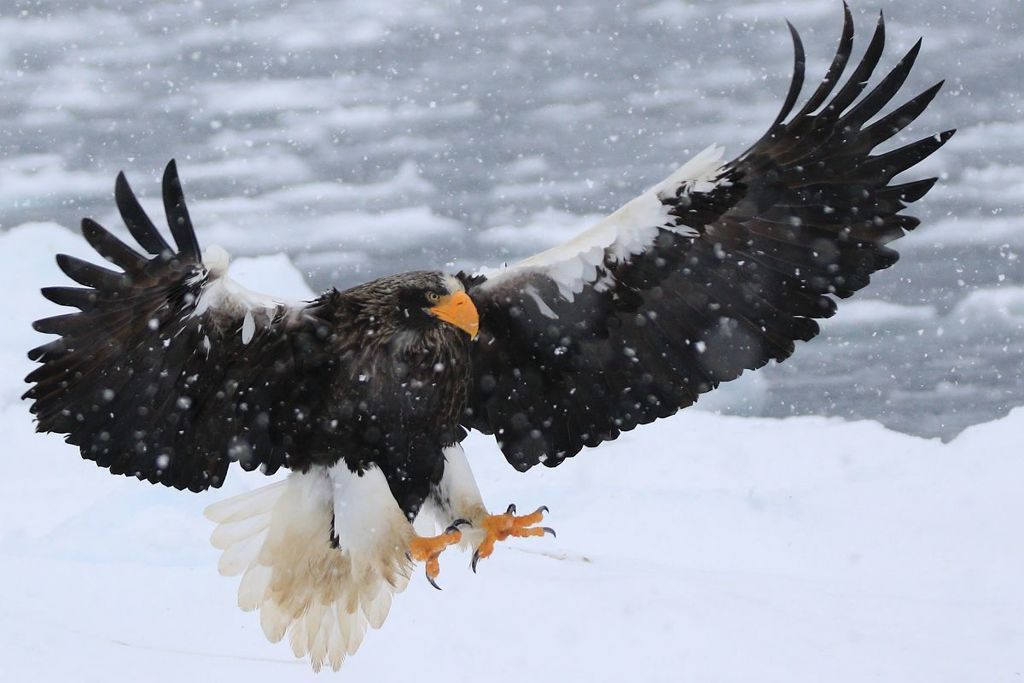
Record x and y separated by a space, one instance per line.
169 371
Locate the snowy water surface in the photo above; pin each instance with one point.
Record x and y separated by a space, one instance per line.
362 138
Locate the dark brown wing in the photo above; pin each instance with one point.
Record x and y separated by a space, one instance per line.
717 270
169 371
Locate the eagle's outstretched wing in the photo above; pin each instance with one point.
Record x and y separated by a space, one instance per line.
717 270
169 370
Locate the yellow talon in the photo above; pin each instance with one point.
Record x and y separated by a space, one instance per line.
428 549
500 527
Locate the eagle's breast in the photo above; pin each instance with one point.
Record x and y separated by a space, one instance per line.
399 388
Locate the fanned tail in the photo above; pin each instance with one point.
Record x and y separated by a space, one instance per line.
279 539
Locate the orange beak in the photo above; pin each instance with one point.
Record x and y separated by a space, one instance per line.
458 309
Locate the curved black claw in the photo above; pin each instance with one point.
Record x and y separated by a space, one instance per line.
476 558
454 526
543 508
511 509
432 582
549 530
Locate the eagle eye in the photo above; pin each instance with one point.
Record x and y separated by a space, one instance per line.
433 297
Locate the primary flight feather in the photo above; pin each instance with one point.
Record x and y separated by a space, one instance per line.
169 371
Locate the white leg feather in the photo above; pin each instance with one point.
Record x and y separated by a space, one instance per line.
457 496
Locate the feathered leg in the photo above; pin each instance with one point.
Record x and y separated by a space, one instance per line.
457 501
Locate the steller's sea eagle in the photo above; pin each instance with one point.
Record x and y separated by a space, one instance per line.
169 371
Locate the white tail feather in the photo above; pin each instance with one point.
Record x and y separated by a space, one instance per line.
238 557
254 586
245 505
323 597
227 535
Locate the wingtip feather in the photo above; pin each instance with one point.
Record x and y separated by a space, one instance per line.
177 214
136 219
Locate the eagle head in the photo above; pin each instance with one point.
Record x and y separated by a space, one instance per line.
420 300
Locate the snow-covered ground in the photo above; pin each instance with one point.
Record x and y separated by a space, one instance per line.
700 548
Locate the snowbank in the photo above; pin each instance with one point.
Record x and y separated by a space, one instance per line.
700 548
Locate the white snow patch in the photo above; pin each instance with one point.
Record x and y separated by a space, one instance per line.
1005 304
386 232
960 230
281 167
527 167
406 184
274 273
269 95
33 178
77 88
543 229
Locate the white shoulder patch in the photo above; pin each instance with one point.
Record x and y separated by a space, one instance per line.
222 294
626 232
216 259
453 284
